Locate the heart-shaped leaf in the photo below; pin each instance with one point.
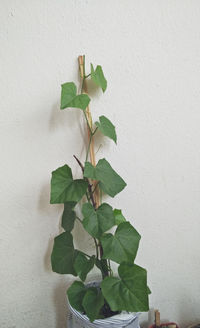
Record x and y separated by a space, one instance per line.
82 265
130 292
98 77
97 221
68 216
123 245
75 295
110 182
92 302
107 128
64 188
63 254
69 98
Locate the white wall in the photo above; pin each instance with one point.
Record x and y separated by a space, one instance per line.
150 52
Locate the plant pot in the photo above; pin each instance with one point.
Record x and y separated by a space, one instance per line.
122 320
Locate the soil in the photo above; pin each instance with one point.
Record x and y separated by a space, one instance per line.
107 312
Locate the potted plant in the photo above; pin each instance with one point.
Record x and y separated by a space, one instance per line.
128 290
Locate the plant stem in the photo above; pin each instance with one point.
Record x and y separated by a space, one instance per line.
95 187
86 254
79 220
88 125
91 135
89 185
96 246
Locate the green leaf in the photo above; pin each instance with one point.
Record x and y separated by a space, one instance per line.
98 77
99 221
119 218
128 293
82 265
68 216
75 295
63 254
102 265
70 99
123 245
110 182
64 188
92 302
107 128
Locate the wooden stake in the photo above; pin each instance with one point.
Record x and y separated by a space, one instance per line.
157 318
81 60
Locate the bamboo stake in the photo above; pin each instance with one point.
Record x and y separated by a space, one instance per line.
81 62
157 318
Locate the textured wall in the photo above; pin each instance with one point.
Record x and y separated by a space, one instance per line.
150 52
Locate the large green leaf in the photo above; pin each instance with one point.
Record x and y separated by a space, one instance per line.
82 265
69 98
130 293
92 302
63 254
123 245
75 294
68 216
107 128
97 221
64 188
110 182
98 77
119 218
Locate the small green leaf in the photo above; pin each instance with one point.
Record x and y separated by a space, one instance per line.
75 295
82 265
123 245
63 254
70 99
102 266
107 128
119 218
64 188
68 216
98 77
110 182
128 293
99 221
92 302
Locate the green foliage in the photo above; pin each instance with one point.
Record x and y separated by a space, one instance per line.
123 245
68 216
98 77
75 294
130 291
86 299
92 302
99 221
110 182
63 254
107 128
119 218
70 99
64 188
102 265
82 265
